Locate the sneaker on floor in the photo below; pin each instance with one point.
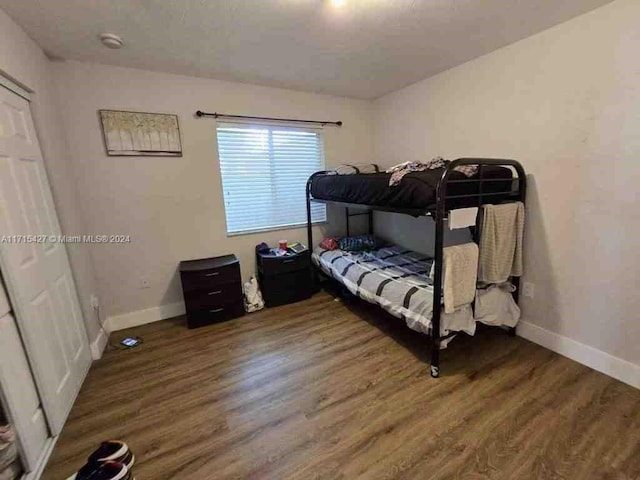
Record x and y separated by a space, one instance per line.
115 451
103 471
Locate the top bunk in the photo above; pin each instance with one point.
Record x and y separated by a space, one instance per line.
423 193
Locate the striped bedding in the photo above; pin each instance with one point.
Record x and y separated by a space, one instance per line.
397 280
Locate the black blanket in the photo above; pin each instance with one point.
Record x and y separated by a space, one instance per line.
417 190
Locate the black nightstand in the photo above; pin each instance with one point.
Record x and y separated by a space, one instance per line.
212 289
284 279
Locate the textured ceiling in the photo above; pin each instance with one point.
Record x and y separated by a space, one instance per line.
364 49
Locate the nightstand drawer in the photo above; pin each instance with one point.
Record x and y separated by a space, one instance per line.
272 265
216 296
214 315
210 278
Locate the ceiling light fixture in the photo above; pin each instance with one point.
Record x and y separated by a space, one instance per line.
111 40
338 3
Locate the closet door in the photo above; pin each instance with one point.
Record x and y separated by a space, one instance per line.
36 270
20 394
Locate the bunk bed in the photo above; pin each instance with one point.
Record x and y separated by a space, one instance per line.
431 193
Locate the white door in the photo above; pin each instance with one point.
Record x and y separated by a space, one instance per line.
20 395
36 270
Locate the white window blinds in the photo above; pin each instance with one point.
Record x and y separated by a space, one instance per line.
264 170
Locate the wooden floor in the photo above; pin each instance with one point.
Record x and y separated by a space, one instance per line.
325 389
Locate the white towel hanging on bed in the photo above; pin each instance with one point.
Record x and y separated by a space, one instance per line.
459 275
501 242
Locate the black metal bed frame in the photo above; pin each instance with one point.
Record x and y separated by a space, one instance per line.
439 215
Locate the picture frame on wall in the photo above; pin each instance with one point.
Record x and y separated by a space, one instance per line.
140 133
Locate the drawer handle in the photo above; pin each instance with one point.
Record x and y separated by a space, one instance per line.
289 261
211 274
217 292
216 310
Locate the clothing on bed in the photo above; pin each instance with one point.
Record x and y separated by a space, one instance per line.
400 170
359 243
501 242
496 306
460 270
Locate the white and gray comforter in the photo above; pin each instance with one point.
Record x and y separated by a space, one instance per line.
397 280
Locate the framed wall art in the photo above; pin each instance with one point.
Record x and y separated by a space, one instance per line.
140 133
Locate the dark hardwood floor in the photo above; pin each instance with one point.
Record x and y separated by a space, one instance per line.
338 390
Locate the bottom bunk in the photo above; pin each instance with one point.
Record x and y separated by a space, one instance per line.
399 281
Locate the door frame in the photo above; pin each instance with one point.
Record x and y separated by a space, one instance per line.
9 84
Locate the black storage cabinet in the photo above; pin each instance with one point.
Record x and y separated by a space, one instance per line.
284 279
212 290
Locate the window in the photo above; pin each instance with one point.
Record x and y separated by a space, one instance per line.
264 170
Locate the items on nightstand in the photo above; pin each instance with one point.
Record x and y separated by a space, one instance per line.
297 247
262 247
284 278
212 289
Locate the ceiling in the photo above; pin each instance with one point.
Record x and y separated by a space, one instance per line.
363 49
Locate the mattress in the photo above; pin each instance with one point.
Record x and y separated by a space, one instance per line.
416 191
397 280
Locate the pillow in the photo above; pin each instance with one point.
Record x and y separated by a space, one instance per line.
329 243
359 243
353 169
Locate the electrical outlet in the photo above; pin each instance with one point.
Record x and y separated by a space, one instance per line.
144 282
95 303
528 289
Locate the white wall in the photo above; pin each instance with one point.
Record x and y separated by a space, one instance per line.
23 61
173 207
565 103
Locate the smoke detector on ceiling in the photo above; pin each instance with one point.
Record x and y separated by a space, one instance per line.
111 40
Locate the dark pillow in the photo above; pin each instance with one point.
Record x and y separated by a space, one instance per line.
359 243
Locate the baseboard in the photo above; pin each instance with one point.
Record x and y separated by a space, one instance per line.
99 344
142 317
603 362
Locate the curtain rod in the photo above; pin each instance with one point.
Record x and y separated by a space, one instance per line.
200 113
